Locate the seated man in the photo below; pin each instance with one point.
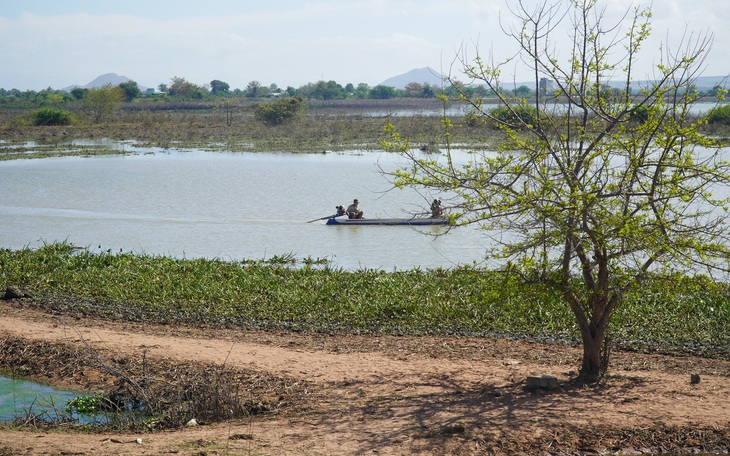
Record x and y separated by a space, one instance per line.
353 210
436 209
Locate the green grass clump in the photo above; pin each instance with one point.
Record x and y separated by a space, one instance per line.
667 312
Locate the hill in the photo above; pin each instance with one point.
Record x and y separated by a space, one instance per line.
108 78
420 75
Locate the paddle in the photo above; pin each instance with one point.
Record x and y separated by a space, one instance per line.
340 211
323 218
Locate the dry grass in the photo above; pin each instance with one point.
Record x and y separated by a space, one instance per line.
155 394
328 126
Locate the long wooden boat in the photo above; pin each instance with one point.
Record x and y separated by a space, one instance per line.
390 221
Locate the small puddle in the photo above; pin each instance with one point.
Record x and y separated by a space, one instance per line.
21 398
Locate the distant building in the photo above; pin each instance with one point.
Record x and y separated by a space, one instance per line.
546 85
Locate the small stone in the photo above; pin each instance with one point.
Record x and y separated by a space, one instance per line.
545 382
498 392
139 441
694 379
191 423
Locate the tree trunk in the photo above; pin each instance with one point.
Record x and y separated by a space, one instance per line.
594 362
593 328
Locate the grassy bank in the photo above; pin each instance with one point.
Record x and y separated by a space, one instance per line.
668 313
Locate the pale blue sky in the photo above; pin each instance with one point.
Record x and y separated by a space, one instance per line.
58 43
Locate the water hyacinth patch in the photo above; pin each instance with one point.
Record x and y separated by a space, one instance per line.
669 312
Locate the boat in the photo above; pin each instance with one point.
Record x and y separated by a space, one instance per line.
389 221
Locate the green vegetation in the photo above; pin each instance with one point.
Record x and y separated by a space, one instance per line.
719 115
50 116
88 405
282 111
593 199
99 104
514 116
131 90
668 313
607 190
381 92
180 89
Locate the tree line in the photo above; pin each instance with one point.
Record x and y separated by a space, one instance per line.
180 88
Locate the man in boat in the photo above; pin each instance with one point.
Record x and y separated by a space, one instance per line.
436 209
353 210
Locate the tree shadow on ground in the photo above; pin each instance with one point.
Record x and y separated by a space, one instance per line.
446 416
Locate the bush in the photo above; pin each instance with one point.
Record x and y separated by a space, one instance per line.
641 114
472 119
382 92
50 116
515 115
719 115
280 111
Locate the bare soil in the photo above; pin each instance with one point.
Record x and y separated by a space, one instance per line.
356 395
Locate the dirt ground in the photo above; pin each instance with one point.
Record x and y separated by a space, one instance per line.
398 395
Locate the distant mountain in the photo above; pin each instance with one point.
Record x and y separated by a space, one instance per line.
112 79
420 75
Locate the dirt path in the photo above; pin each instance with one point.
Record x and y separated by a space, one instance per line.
397 395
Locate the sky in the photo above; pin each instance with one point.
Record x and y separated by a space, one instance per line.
59 43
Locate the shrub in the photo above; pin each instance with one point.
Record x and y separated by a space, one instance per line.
280 111
382 92
719 115
101 102
515 115
641 114
50 116
472 119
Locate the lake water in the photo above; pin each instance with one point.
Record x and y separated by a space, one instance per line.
231 206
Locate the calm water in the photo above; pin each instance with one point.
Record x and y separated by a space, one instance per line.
224 205
19 396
